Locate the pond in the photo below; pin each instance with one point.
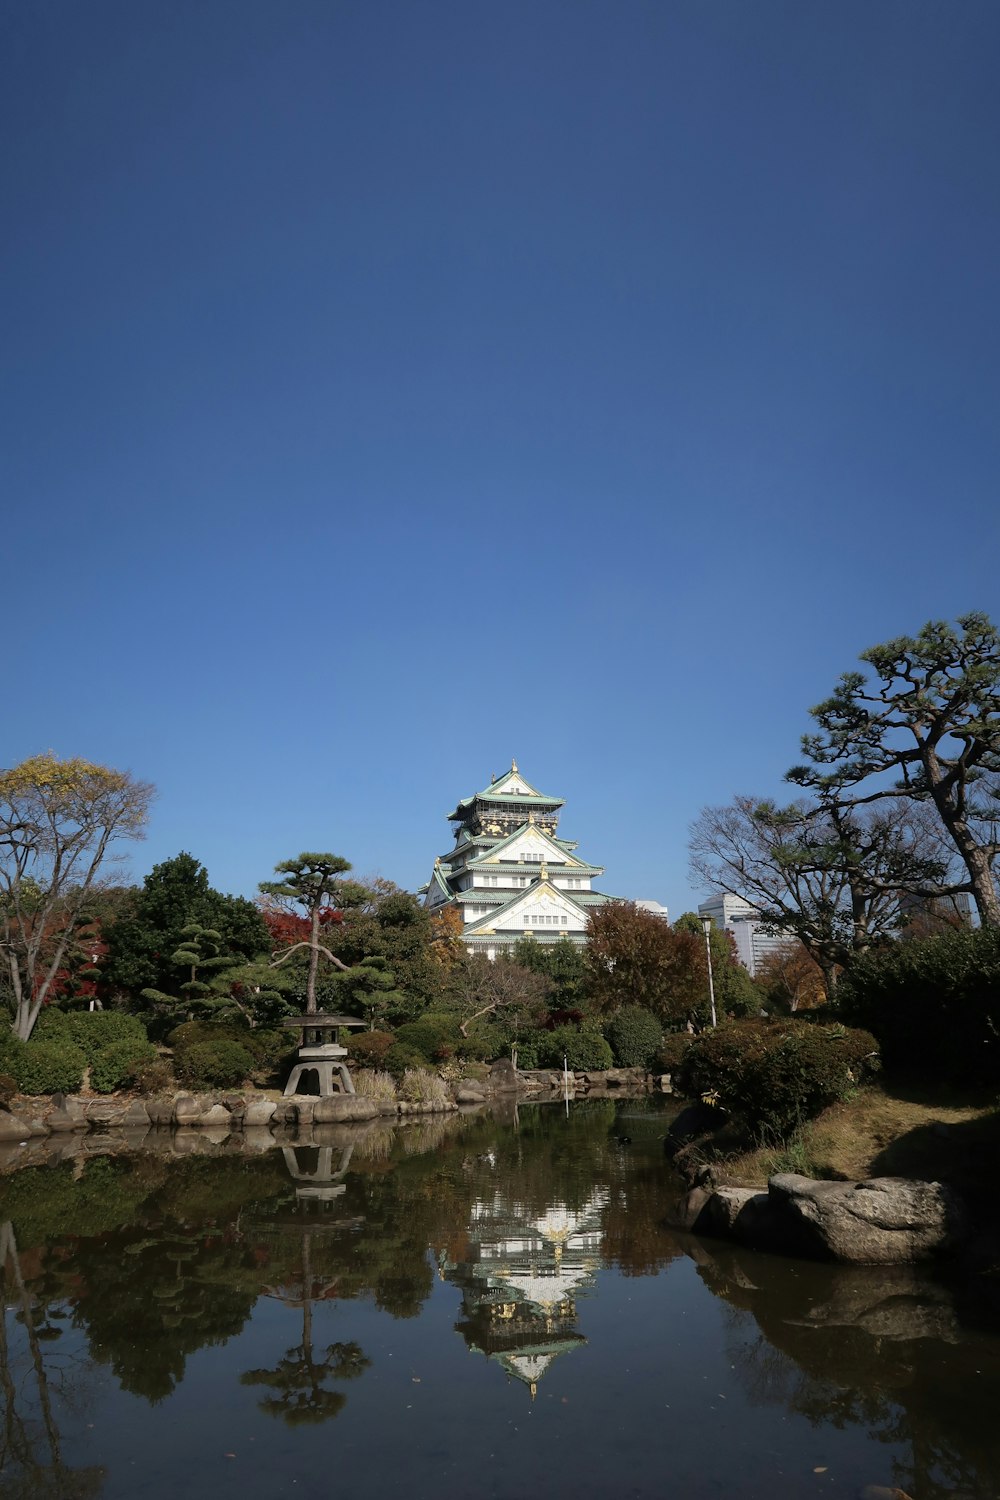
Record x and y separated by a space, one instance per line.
485 1305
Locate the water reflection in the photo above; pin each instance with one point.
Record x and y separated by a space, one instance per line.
293 1266
522 1276
30 1447
892 1350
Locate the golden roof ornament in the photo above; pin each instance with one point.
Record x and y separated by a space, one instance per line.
543 873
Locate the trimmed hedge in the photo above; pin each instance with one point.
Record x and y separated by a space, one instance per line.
368 1049
45 1066
90 1030
673 1050
584 1049
215 1064
776 1074
634 1036
270 1053
120 1064
435 1037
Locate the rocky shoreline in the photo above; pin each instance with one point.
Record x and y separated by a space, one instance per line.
874 1221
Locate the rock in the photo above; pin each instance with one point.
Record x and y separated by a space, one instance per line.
160 1111
727 1205
503 1076
344 1107
13 1128
136 1116
217 1117
258 1112
61 1119
468 1093
187 1109
686 1212
883 1221
665 1082
105 1111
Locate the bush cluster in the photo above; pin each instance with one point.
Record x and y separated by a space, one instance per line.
672 1051
93 1031
219 1063
933 1003
269 1054
435 1037
45 1066
368 1049
634 1036
777 1074
583 1047
119 1064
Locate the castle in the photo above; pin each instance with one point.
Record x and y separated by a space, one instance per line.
508 874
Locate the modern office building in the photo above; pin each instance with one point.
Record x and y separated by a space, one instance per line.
742 920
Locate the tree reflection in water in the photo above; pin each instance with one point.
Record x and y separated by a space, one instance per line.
299 1378
31 1462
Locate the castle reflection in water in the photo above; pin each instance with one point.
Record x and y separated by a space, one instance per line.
520 1282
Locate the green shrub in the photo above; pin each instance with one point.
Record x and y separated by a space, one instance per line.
399 1058
91 1030
673 1050
270 1051
118 1064
421 1087
527 1051
584 1049
933 1003
8 1088
435 1037
46 1067
634 1035
217 1064
776 1074
368 1049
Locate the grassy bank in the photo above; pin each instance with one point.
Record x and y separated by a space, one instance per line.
888 1130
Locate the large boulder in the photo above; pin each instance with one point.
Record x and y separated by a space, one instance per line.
503 1076
883 1221
344 1107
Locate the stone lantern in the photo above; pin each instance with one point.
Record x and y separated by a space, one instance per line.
321 1054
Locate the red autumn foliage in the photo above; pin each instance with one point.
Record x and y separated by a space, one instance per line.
287 927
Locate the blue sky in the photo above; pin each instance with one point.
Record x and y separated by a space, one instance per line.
390 389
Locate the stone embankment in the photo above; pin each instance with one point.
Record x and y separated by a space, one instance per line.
28 1118
32 1118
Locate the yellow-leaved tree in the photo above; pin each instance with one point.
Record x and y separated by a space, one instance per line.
57 821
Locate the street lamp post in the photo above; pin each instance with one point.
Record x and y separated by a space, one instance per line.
706 923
